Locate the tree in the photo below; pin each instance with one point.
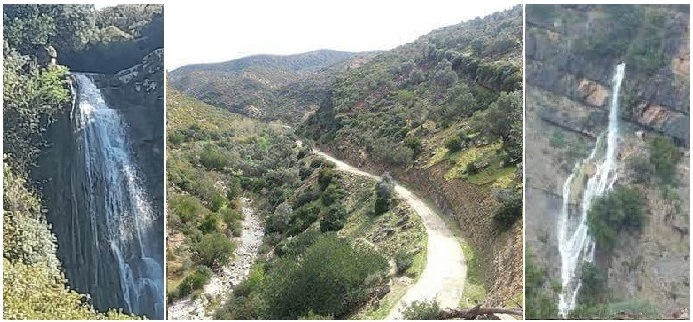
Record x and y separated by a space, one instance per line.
503 121
280 219
25 27
384 190
454 143
540 304
501 114
213 159
445 76
333 219
325 177
593 285
194 281
460 104
66 27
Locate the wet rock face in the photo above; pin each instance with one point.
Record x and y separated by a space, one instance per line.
87 265
567 99
138 92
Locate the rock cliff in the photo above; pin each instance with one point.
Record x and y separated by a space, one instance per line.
138 93
571 54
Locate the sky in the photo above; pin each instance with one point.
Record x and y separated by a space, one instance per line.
213 31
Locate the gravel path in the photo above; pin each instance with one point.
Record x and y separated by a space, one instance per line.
444 276
221 284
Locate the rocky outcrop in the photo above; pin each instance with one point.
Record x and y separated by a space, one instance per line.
553 65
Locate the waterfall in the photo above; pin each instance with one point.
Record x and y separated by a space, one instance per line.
591 178
121 217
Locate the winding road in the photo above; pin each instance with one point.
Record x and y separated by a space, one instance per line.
444 275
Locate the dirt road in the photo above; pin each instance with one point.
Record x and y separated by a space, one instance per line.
444 276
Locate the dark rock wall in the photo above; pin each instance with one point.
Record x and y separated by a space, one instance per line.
89 267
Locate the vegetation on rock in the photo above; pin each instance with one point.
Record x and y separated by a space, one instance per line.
618 211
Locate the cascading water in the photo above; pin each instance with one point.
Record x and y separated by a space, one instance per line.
599 172
121 216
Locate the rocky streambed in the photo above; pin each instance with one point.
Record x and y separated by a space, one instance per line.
221 285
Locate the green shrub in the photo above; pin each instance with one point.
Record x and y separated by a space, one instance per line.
664 156
229 216
241 308
325 177
176 138
36 292
209 224
313 316
414 143
194 281
333 219
471 168
384 190
212 250
508 214
593 289
642 170
188 208
331 194
213 159
332 279
403 260
454 143
218 202
305 172
255 278
316 163
540 304
621 209
422 310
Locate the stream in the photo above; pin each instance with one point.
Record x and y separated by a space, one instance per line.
221 284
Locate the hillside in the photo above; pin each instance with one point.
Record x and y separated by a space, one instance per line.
268 87
641 224
227 172
443 116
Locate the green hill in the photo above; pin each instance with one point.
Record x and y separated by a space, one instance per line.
268 87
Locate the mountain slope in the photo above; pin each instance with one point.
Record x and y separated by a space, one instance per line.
268 87
220 164
443 115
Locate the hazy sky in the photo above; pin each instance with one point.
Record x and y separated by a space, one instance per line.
213 31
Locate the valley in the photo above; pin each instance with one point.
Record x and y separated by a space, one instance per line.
441 115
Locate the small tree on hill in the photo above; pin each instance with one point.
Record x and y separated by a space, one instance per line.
384 190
